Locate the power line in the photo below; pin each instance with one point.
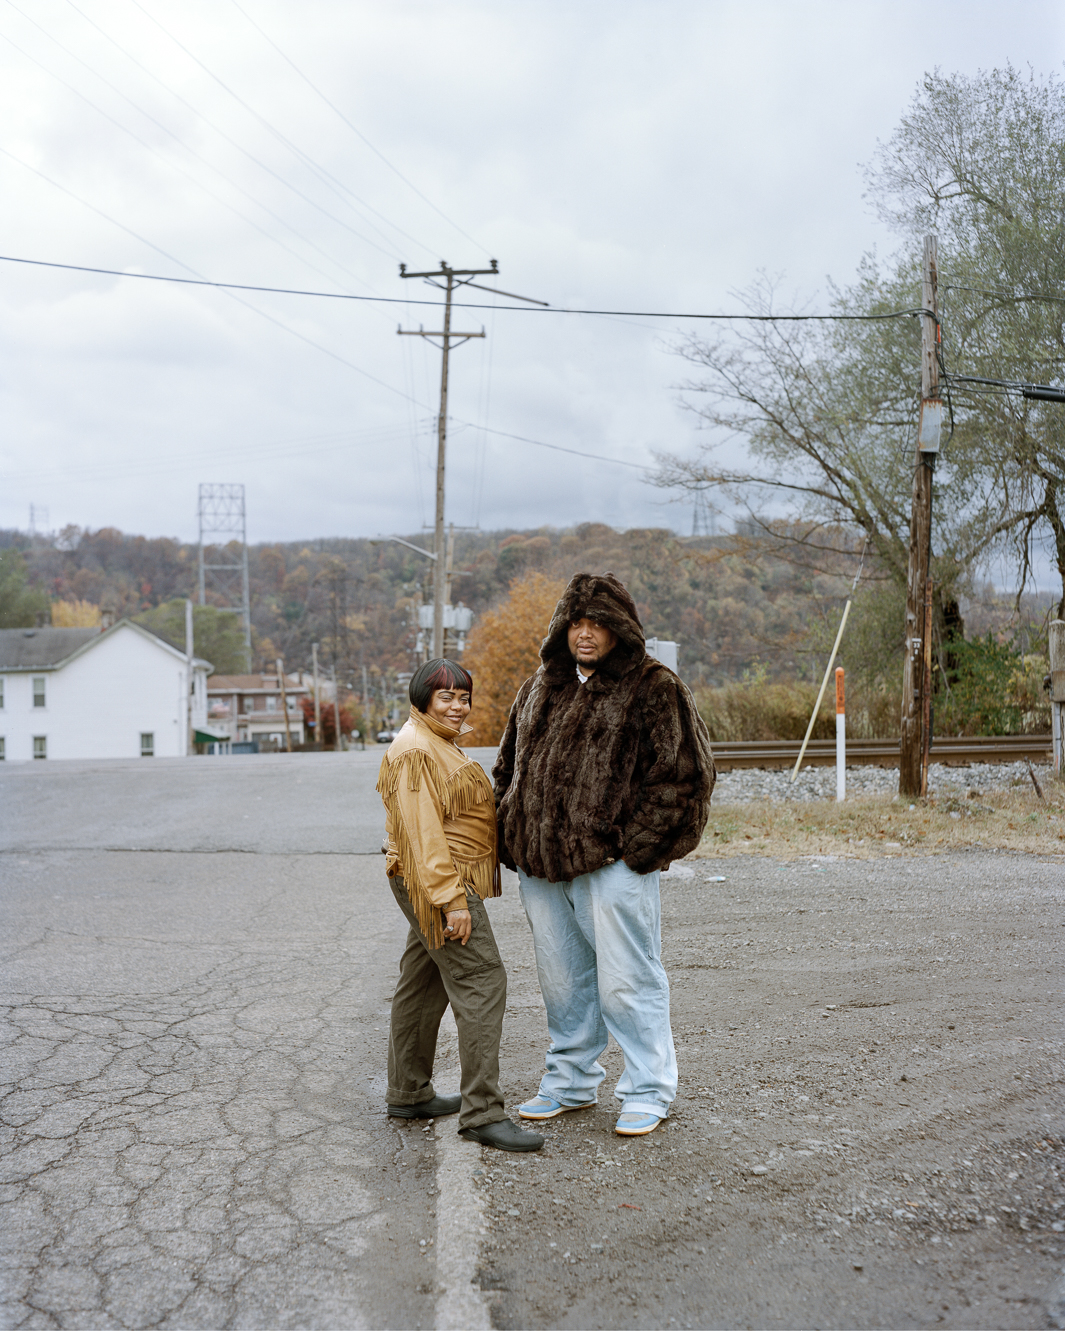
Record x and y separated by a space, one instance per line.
463 305
1008 295
558 448
172 164
1033 392
358 133
538 443
99 213
198 281
304 158
222 134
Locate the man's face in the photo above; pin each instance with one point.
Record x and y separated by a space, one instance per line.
590 643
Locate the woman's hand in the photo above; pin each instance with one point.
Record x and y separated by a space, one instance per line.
459 926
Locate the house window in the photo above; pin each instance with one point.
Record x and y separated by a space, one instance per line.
40 746
147 744
38 690
249 704
3 753
1 691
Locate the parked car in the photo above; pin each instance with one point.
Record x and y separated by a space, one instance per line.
386 736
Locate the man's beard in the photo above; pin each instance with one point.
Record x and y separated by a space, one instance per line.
592 661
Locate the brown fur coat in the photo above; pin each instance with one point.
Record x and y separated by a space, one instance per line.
618 767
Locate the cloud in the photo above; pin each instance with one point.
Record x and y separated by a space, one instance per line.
609 156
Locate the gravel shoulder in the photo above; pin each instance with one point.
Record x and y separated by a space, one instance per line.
869 1126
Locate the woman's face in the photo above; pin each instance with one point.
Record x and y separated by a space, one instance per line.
451 706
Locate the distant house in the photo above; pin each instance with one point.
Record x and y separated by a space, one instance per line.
120 692
248 707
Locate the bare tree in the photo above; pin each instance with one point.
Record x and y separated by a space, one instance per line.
826 412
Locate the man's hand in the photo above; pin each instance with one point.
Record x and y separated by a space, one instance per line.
459 926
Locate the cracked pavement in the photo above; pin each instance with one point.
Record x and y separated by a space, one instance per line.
192 1098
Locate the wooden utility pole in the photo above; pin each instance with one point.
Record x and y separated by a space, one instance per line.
317 699
284 702
1057 690
448 279
337 736
916 735
190 680
451 278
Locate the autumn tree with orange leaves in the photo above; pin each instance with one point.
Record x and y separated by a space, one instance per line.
503 650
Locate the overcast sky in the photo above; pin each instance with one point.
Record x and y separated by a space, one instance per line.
632 156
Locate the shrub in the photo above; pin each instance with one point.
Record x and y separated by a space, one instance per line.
994 689
350 715
756 710
75 615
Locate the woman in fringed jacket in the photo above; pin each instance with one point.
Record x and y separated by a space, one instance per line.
442 862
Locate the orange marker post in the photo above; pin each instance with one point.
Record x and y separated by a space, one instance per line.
841 739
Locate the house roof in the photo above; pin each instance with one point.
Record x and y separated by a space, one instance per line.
49 648
252 684
39 649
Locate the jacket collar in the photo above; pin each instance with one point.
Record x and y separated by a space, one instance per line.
438 727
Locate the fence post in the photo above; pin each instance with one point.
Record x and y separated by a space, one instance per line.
841 739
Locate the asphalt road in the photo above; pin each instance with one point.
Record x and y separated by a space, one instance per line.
198 959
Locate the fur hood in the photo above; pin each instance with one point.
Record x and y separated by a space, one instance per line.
602 597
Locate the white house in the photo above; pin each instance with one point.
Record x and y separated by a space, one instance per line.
120 692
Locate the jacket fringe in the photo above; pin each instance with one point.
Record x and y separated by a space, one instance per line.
466 787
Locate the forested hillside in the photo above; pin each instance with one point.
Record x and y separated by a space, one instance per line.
736 605
728 604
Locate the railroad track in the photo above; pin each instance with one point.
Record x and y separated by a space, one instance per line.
952 750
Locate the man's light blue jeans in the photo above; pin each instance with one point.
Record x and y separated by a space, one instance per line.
598 943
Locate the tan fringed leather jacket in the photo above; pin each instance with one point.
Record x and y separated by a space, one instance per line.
440 821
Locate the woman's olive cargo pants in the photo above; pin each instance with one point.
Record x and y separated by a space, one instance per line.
472 979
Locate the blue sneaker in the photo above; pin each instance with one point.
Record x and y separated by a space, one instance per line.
542 1106
636 1125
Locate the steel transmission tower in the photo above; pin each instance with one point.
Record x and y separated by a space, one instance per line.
221 514
703 516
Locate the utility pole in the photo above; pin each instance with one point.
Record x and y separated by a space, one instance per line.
448 279
1057 690
338 738
190 680
317 700
916 732
284 703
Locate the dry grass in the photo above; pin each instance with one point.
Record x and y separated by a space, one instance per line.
875 826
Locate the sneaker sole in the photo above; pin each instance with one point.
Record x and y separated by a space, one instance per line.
635 1132
551 1113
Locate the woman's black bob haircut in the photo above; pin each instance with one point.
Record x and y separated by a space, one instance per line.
438 674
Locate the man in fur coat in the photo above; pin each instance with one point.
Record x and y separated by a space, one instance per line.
603 778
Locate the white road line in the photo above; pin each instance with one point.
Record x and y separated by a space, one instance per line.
460 1224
